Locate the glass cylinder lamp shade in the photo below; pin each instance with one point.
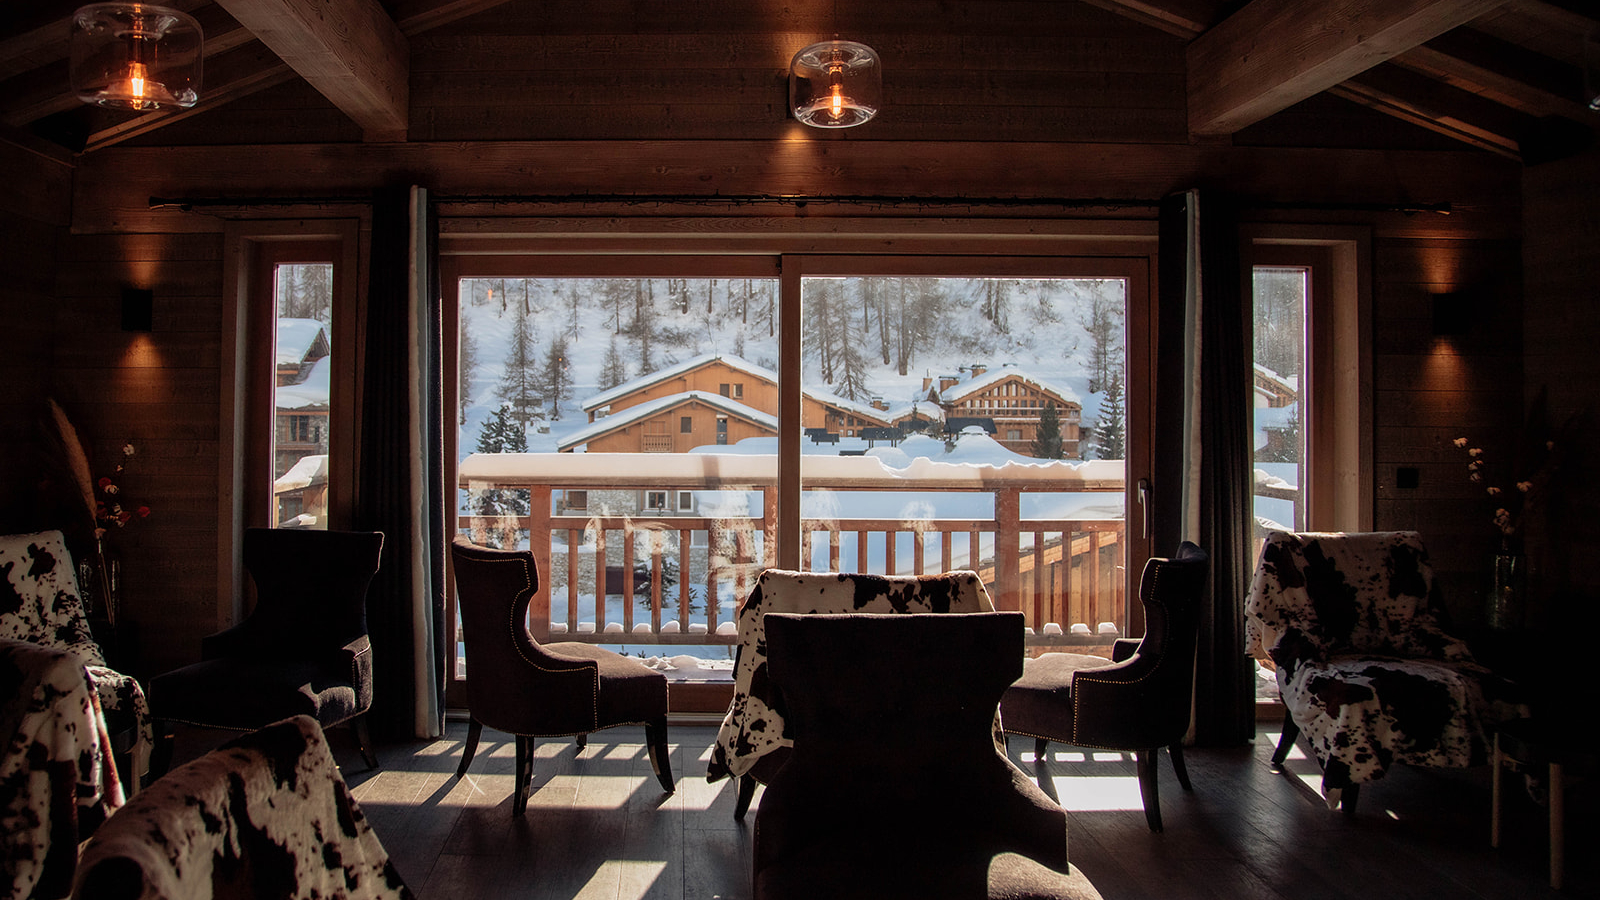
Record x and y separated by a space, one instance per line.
835 84
135 56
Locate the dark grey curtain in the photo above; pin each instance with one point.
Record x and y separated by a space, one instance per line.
1202 434
400 489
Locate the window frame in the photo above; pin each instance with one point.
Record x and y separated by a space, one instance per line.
252 251
1337 396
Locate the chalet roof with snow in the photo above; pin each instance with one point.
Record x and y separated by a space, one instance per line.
312 392
649 409
300 340
606 397
958 392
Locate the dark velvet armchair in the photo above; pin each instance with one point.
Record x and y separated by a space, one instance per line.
528 689
303 650
894 786
1140 699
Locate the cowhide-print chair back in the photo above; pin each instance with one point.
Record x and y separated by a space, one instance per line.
264 815
40 603
1365 665
752 729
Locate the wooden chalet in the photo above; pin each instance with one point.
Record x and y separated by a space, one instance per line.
1015 401
1412 156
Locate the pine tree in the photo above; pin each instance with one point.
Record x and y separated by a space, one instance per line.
1103 323
1047 440
518 385
500 434
1110 430
556 377
614 370
466 367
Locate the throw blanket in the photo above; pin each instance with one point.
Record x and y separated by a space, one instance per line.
266 815
752 728
39 602
1364 664
57 781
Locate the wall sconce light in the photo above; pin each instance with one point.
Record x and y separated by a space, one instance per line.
135 56
138 309
1453 312
835 84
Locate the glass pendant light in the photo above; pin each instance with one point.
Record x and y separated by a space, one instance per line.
135 56
835 84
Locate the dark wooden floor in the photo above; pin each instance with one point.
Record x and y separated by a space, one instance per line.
598 826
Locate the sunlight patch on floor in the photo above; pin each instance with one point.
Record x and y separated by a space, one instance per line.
623 879
1297 764
1098 793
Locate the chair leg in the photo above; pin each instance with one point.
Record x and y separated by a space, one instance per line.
1291 732
364 740
582 740
1146 763
1348 798
1041 748
161 753
523 777
474 731
1176 749
655 735
747 792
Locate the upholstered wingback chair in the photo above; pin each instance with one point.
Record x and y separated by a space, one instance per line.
528 689
752 742
303 650
894 786
1139 700
40 604
1366 667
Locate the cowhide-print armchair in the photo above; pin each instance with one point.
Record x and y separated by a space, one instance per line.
40 603
1365 666
265 815
752 742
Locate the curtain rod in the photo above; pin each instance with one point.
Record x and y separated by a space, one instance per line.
798 201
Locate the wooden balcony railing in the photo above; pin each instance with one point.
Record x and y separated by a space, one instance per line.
691 568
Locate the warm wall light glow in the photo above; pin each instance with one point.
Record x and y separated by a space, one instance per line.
135 56
835 84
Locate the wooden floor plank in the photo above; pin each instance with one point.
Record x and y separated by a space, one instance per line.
598 825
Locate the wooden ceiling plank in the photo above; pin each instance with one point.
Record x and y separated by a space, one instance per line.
349 50
1438 107
1580 18
1274 53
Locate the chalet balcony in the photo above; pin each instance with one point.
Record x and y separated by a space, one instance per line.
695 531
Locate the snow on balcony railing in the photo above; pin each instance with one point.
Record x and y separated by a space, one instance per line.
696 529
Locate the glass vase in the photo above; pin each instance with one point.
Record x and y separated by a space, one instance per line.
1504 611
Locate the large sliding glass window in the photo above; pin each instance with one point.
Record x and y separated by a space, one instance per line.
623 418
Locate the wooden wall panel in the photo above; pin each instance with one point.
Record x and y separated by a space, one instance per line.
1431 389
160 392
1561 255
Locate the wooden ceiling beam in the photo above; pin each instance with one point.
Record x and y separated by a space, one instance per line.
1577 16
1182 18
242 74
349 50
1484 65
1272 54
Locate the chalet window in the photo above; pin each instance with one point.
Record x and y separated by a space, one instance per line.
686 425
725 389
577 500
656 500
685 501
738 391
1013 434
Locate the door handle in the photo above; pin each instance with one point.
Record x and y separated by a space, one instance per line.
1144 506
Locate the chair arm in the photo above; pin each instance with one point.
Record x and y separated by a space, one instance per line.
239 640
358 651
1119 706
1124 648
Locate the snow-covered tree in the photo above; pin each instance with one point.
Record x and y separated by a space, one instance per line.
466 368
1110 430
614 370
556 377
